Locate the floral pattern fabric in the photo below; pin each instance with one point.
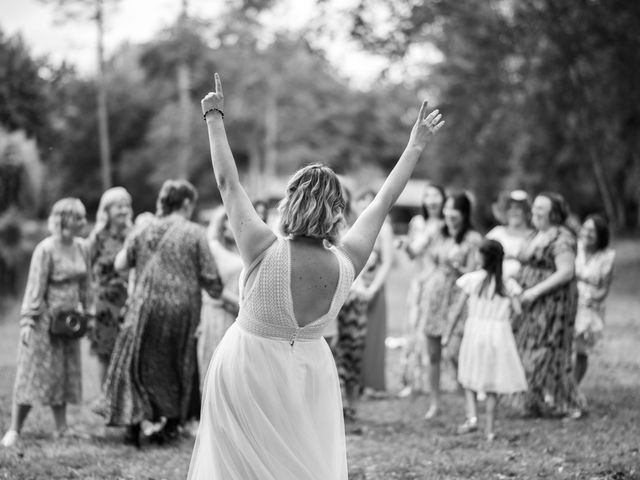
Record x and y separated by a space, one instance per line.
49 367
152 372
110 291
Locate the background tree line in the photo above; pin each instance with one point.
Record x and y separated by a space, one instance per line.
538 95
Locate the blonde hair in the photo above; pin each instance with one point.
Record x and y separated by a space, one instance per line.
110 197
62 212
313 205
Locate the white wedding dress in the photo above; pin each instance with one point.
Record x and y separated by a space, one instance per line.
272 408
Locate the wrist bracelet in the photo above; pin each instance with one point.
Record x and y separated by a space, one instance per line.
214 109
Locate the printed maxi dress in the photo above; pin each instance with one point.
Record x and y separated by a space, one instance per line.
49 367
152 372
544 332
110 291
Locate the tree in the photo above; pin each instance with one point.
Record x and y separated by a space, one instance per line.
540 94
94 10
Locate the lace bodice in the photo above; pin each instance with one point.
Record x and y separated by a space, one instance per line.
266 307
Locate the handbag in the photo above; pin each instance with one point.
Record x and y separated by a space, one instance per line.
69 324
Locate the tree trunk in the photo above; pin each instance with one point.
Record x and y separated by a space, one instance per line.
603 188
103 120
184 89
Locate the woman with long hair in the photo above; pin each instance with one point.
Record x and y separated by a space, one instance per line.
424 229
271 407
454 254
113 223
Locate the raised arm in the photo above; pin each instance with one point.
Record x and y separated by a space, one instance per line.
251 233
359 240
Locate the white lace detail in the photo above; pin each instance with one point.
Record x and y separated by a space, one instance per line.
267 308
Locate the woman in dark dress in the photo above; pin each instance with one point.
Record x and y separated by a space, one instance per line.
152 375
544 333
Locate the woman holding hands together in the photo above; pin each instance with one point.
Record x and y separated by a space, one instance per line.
271 407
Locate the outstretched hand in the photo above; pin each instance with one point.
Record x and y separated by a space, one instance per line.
425 127
213 100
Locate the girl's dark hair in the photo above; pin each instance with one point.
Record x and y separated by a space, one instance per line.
173 194
461 203
425 212
492 256
602 230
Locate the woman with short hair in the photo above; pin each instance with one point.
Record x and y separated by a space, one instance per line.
271 407
49 365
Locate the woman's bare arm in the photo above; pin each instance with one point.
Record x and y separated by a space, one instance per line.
251 234
359 240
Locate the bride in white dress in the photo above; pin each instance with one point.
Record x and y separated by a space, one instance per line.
271 406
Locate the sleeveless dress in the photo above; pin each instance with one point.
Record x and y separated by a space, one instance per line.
272 408
489 360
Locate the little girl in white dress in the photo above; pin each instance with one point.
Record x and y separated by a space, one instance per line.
489 360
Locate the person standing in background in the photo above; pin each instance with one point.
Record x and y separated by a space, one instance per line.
113 223
424 230
594 272
371 284
514 212
49 368
545 330
218 314
454 254
153 371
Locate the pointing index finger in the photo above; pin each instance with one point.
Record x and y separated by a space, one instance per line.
218 83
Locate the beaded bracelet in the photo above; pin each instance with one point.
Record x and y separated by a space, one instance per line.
214 109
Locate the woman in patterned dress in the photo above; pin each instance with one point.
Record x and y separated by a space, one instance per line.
153 373
544 332
454 253
218 314
424 229
594 272
49 367
113 223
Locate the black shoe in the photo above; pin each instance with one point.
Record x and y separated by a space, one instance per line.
132 436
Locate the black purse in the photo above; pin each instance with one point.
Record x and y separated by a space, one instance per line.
68 324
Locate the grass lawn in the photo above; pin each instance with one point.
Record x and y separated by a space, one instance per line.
393 441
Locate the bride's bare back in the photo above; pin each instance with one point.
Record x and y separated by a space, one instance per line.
315 272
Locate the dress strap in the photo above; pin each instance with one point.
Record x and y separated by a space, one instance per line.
246 272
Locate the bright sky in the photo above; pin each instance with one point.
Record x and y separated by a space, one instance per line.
138 20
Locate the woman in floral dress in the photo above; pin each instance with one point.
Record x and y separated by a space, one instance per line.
454 253
49 367
544 332
424 229
113 223
152 373
594 272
